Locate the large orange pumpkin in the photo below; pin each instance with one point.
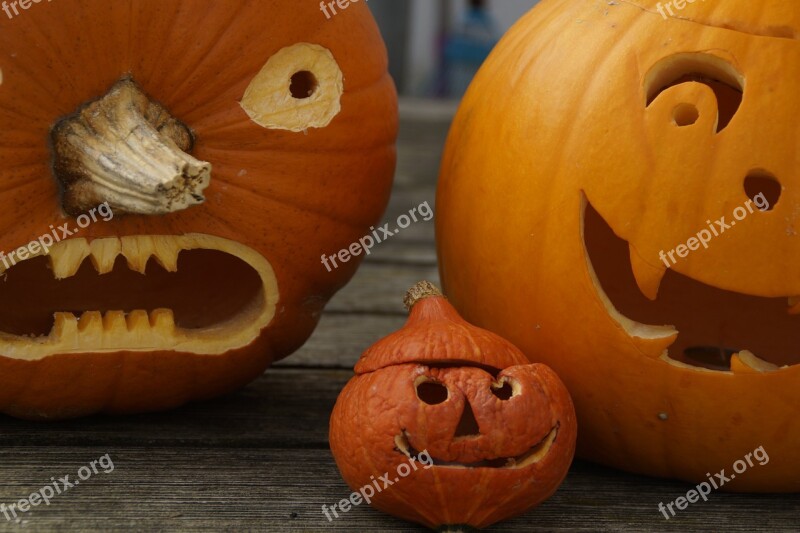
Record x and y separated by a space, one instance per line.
599 139
227 144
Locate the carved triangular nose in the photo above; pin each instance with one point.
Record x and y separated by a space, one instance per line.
467 426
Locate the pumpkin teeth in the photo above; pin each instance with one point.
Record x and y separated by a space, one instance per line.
114 322
251 305
708 341
107 331
747 362
65 326
137 251
648 277
66 257
166 253
138 319
103 254
90 323
163 319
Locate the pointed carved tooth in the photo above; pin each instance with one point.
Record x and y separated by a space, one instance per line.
138 321
162 319
167 249
66 257
103 254
794 305
65 327
745 362
91 324
648 277
137 251
114 323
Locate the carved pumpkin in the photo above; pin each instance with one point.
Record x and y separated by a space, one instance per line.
482 434
234 142
598 138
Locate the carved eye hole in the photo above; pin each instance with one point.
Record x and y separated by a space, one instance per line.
685 115
299 87
303 85
763 188
432 392
504 392
505 389
712 71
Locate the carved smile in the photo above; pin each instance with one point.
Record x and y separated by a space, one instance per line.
704 327
193 293
533 455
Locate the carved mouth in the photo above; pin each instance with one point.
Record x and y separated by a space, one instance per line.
713 329
192 293
533 455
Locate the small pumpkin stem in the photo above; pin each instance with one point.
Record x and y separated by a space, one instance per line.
129 151
423 289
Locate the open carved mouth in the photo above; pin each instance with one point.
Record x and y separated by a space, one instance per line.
193 293
712 325
532 455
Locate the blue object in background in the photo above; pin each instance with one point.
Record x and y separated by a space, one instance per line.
466 48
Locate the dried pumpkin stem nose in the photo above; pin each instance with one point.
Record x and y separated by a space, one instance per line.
129 151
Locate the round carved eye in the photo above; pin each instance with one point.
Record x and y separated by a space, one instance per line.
299 87
716 73
504 392
685 115
432 392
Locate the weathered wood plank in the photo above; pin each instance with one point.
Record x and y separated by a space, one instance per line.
213 489
379 288
401 203
341 338
283 408
404 252
251 460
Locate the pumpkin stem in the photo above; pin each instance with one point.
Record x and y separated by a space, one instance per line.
128 151
420 291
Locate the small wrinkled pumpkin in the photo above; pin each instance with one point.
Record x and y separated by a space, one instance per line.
228 145
483 434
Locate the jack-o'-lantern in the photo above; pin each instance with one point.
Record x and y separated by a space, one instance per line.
626 174
171 172
455 423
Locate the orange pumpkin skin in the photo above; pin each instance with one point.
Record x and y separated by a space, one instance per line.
288 196
66 386
381 420
566 130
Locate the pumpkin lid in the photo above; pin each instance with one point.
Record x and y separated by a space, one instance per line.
436 333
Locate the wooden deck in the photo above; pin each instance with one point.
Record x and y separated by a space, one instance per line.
259 460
